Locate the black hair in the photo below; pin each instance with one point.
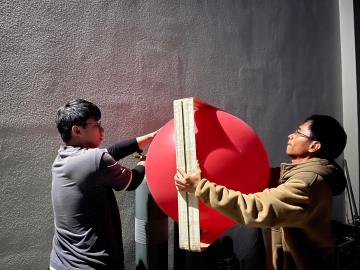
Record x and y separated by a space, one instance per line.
75 112
329 133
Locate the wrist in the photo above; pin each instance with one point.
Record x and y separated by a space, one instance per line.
141 163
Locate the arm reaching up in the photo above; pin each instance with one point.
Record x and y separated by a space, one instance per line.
146 139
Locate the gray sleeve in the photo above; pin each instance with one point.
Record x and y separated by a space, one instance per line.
113 174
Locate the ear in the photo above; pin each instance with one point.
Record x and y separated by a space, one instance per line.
314 146
75 130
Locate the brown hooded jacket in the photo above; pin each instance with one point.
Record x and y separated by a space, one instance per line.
298 212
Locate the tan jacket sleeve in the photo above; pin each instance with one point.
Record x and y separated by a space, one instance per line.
285 205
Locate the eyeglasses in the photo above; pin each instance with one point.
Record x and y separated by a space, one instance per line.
97 124
299 133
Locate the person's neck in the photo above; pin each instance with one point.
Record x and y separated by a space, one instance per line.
74 143
298 160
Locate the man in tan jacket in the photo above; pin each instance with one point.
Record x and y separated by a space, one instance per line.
298 210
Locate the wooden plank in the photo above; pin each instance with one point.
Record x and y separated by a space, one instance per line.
188 209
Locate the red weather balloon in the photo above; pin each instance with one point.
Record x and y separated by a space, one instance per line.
230 154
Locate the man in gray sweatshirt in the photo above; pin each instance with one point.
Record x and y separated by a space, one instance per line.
86 216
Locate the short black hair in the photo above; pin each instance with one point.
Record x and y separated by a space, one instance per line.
329 133
75 112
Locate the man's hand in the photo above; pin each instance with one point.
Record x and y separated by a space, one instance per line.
185 182
146 139
142 163
139 156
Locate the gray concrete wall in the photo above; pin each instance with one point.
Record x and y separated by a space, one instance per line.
271 63
350 97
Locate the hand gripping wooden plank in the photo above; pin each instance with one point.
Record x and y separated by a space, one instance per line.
188 209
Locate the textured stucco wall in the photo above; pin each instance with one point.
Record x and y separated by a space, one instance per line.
271 63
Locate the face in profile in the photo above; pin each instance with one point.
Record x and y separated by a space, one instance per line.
299 142
91 135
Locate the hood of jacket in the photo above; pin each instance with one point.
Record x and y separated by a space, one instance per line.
330 171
